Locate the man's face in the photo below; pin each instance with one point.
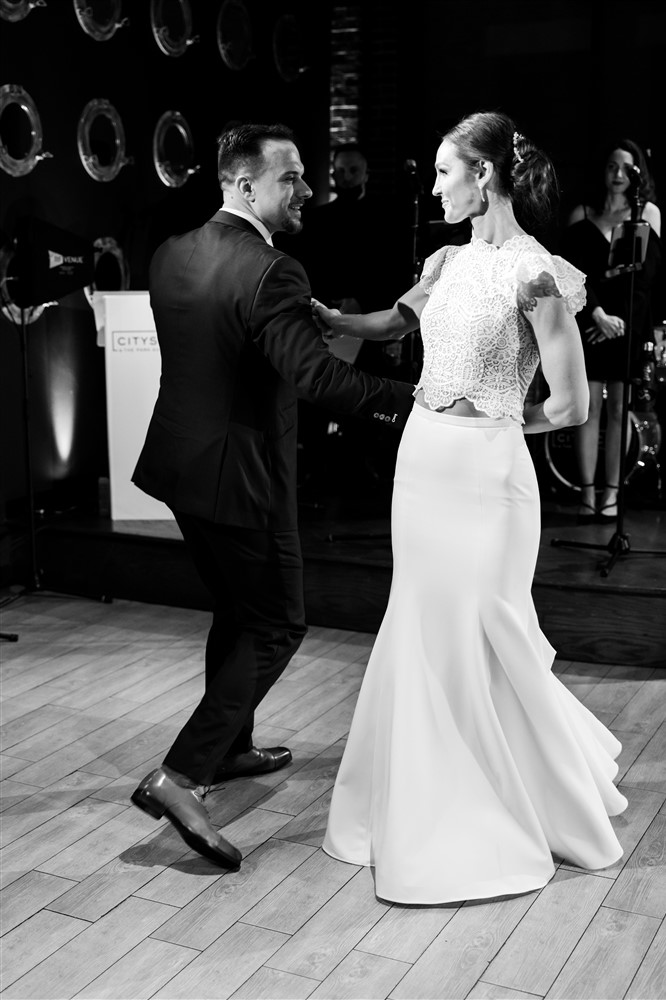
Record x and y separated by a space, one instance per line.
350 170
279 190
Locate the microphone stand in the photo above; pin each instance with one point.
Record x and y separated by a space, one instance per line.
417 191
619 543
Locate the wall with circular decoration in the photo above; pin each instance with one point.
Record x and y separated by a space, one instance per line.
109 114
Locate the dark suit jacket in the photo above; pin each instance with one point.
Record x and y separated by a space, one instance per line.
238 346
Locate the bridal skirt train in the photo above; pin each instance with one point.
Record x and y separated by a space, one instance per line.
468 764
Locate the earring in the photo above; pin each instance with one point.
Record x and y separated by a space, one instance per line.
483 196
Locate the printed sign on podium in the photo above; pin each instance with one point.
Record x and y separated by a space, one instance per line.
132 361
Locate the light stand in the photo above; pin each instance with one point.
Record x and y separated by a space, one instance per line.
51 263
625 236
35 583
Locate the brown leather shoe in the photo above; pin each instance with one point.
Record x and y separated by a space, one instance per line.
159 795
255 761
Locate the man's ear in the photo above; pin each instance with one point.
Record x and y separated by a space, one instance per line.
244 187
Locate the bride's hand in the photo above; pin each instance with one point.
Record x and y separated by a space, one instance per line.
326 319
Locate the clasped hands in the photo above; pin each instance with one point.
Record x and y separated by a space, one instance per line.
606 328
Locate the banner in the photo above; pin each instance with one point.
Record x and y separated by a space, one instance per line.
132 359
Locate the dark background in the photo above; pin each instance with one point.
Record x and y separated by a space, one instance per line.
572 74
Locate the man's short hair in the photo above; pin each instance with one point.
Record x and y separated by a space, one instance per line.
242 145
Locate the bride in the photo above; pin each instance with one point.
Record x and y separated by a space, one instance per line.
468 764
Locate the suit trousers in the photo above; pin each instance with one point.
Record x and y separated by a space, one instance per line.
256 581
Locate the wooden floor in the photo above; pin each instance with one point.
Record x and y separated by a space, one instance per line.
99 900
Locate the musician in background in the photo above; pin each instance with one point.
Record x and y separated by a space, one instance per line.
603 322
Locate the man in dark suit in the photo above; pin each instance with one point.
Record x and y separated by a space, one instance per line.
239 345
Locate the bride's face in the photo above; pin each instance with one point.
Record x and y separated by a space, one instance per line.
456 185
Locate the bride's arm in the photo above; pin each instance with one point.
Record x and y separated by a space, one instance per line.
387 324
563 366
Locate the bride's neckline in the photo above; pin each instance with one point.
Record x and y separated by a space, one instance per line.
499 246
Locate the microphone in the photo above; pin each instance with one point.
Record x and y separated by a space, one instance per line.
411 168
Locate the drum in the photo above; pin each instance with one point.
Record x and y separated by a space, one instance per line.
644 441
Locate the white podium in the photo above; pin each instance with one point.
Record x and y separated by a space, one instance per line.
132 360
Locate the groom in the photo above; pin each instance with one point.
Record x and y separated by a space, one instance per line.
239 346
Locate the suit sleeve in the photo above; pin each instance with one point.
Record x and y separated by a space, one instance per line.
282 328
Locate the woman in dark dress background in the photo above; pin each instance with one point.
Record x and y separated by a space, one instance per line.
602 323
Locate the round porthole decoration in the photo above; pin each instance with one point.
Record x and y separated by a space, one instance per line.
173 150
234 34
8 307
288 48
171 24
100 18
16 10
101 140
20 131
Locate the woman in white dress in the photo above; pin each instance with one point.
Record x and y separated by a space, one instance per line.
468 764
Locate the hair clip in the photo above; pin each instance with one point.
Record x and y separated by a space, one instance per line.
517 137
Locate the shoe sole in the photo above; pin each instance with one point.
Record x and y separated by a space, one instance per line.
157 811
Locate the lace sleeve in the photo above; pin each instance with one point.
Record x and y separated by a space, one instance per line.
542 274
432 268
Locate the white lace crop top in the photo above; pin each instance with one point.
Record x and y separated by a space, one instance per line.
477 341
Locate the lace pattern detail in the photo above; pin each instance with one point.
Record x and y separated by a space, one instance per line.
432 267
540 274
478 343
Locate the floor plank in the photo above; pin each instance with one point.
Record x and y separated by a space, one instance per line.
229 898
271 984
27 896
641 885
649 983
296 899
35 940
151 965
649 768
225 965
606 958
315 949
538 949
459 955
362 974
95 949
404 932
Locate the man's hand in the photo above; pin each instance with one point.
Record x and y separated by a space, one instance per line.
325 320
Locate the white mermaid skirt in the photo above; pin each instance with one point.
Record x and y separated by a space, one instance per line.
468 763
